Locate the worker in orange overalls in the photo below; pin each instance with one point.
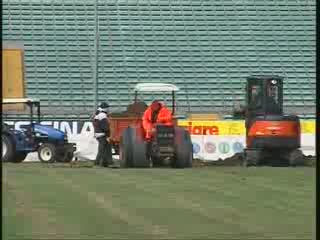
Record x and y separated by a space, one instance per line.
156 113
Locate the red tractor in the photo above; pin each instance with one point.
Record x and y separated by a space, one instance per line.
270 135
168 145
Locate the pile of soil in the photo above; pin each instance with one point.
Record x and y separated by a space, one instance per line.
236 160
310 161
124 114
133 110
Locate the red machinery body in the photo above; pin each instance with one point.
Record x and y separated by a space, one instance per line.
274 134
119 124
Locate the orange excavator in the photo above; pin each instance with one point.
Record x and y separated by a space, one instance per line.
270 135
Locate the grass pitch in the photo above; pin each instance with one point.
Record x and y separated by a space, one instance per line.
46 202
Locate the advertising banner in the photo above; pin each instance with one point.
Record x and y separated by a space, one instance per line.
213 140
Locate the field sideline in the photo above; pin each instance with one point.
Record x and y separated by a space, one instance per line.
57 202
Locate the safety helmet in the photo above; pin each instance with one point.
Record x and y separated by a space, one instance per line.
103 107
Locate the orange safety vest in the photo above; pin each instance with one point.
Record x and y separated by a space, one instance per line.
164 117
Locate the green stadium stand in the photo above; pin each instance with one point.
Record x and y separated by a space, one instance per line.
205 47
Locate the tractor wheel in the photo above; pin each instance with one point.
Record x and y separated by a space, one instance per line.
7 149
47 153
19 157
296 158
125 148
183 149
133 150
156 162
251 158
139 152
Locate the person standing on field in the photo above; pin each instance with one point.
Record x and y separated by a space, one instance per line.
102 134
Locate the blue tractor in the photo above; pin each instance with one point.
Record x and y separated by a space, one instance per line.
51 144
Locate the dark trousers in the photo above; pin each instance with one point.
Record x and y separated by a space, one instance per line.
104 156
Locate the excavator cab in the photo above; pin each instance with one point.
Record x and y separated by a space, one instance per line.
264 97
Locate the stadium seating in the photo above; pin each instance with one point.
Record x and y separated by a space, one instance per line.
205 47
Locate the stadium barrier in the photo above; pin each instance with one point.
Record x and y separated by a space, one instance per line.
212 140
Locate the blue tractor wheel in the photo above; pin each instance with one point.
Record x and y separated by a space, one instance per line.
7 149
47 153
